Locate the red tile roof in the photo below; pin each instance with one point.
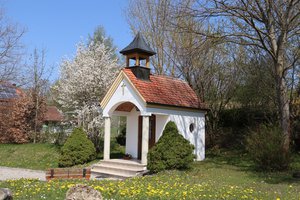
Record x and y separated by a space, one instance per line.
165 90
52 114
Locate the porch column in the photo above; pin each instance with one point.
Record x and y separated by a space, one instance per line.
106 138
145 139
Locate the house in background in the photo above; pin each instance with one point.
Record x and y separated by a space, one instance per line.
52 120
148 102
8 94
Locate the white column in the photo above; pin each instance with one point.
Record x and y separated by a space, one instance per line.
106 152
145 139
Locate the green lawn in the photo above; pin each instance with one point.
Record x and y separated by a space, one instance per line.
31 156
41 156
229 175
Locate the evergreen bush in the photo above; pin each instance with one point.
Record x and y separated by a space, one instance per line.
121 138
265 147
78 149
172 151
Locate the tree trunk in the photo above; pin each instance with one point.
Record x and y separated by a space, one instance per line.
36 119
283 103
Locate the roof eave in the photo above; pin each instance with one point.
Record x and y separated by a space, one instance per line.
149 104
138 50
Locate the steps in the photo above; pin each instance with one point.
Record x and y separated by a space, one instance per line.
118 168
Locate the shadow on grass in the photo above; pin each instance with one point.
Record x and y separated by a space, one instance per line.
276 177
236 158
241 161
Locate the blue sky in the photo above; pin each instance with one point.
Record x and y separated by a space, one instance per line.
58 25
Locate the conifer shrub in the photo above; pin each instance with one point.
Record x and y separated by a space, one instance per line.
121 138
265 147
78 149
172 151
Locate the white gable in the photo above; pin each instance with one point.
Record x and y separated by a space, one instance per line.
124 93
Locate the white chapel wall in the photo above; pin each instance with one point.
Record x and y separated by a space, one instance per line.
183 119
197 136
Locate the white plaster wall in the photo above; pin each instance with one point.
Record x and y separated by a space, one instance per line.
197 137
183 119
161 121
132 133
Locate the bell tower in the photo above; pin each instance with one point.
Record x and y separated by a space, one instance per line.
138 50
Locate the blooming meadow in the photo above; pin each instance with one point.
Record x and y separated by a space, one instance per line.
167 185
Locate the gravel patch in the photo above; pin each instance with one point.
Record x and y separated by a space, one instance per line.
8 173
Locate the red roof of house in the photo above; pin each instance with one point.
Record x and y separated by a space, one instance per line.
52 114
165 90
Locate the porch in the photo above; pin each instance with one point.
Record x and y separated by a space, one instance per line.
142 131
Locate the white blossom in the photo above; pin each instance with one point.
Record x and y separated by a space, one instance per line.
84 81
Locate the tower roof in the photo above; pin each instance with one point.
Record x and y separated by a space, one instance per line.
138 45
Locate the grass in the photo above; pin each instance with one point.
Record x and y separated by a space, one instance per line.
227 175
31 156
41 156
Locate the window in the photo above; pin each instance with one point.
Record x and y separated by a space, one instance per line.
192 127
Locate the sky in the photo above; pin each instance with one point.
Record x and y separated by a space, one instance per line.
58 25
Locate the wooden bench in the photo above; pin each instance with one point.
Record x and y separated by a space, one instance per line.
68 173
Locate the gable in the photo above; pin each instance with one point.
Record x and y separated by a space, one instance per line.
121 78
120 92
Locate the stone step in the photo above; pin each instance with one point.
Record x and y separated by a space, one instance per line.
118 168
124 170
108 173
123 164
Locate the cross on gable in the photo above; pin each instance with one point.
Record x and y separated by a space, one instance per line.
123 87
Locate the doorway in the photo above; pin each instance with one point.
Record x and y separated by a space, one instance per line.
152 135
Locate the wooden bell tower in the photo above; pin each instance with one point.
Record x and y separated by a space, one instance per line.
138 50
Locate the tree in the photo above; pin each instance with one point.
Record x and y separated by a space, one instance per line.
209 65
37 81
10 48
19 120
84 81
99 36
86 78
256 69
268 25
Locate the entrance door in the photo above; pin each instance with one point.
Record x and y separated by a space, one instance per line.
152 125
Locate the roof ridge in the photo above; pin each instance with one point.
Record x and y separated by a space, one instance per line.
170 77
161 75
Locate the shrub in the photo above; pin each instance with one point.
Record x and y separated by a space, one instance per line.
171 151
121 138
78 149
265 147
